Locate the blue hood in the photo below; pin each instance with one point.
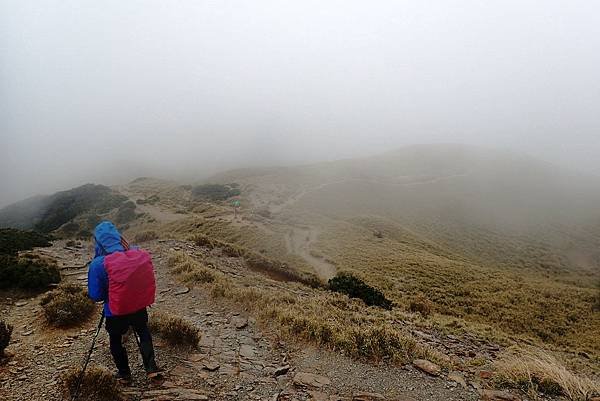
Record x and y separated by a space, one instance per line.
109 237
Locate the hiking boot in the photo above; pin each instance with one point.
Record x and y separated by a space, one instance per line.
123 378
155 373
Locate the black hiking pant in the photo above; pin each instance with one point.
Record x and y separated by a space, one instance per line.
117 326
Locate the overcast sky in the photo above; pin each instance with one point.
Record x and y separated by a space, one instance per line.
110 90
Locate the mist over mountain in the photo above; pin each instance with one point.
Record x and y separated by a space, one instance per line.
341 200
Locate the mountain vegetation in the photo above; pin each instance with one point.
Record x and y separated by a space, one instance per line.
25 271
73 212
478 239
215 192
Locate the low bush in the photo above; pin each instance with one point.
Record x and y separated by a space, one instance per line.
64 206
174 329
126 213
12 240
67 305
5 333
98 384
145 236
535 370
27 272
214 192
421 305
354 287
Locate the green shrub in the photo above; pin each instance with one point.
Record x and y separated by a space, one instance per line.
12 240
27 272
5 333
214 192
67 305
63 206
174 330
354 287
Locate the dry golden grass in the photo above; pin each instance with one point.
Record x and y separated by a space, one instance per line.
319 317
259 241
144 236
534 370
259 262
98 384
510 303
190 270
174 329
498 302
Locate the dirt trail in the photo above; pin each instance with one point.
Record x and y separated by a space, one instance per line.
160 214
236 359
299 241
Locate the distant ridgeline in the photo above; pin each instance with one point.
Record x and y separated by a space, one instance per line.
49 213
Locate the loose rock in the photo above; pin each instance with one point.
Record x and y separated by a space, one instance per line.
427 366
310 380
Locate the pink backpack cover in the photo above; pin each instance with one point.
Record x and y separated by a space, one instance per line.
131 283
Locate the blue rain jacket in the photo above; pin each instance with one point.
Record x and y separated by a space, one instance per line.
109 237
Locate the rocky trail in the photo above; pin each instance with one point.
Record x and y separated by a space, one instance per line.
237 359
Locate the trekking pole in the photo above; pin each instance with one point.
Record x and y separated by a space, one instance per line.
87 359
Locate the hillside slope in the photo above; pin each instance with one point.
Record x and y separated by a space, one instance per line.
492 206
499 243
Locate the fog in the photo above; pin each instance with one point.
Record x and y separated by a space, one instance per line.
107 91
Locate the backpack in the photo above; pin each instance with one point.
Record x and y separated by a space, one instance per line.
131 282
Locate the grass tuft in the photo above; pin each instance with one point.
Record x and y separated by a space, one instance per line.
421 305
174 329
145 236
535 370
67 305
98 384
190 270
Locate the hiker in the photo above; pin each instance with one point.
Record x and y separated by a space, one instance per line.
236 206
123 278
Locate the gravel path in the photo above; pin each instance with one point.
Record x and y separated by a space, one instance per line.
236 359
